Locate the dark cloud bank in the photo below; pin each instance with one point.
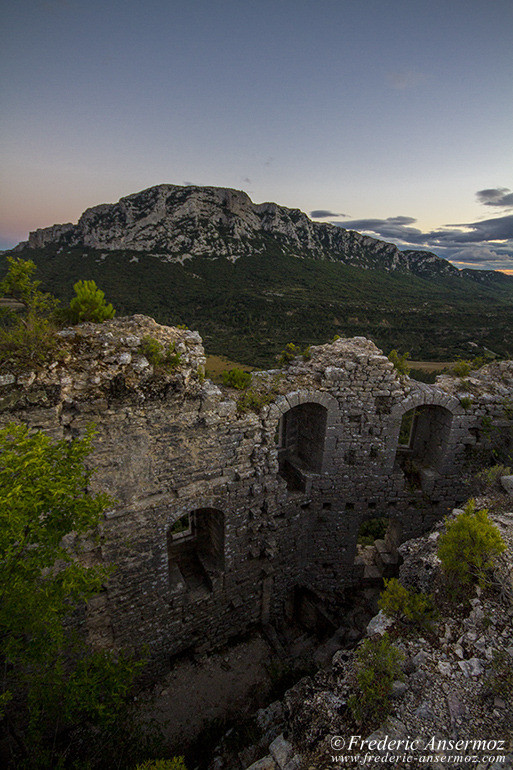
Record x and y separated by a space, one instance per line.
323 213
496 196
486 244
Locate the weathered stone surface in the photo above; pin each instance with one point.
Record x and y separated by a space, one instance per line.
507 483
281 751
379 624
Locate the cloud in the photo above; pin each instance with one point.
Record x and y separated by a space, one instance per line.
483 257
487 244
322 213
498 229
496 196
393 228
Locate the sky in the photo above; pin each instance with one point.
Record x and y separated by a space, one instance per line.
391 117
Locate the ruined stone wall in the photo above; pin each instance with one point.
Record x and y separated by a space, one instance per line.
169 444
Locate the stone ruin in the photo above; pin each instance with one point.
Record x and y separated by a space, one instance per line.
224 518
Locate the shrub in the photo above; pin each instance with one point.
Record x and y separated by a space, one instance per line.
468 548
288 354
157 356
27 337
399 361
372 529
236 378
407 606
253 401
466 402
488 479
461 368
89 304
377 665
500 677
291 352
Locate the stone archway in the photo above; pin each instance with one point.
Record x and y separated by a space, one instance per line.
424 433
303 422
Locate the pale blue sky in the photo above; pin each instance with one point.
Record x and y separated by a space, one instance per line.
385 110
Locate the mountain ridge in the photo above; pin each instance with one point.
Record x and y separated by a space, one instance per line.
253 277
181 222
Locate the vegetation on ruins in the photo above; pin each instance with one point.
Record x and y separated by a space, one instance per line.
377 665
30 317
462 368
158 356
88 304
63 702
262 394
291 351
253 400
488 479
27 332
236 378
399 361
469 547
412 608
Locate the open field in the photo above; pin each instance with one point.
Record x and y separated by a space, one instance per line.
217 364
431 366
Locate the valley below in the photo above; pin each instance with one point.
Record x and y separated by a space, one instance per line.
250 309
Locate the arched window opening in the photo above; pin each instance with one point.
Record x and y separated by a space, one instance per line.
301 436
423 439
195 546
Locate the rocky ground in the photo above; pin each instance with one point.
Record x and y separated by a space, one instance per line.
452 704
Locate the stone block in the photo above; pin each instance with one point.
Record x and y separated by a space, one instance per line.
507 484
281 751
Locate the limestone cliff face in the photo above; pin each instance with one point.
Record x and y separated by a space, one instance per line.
178 223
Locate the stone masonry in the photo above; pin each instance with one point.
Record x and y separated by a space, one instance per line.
221 514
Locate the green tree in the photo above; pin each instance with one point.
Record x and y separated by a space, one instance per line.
60 697
27 333
400 361
89 304
469 547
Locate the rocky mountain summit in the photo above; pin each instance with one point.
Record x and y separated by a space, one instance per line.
177 223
